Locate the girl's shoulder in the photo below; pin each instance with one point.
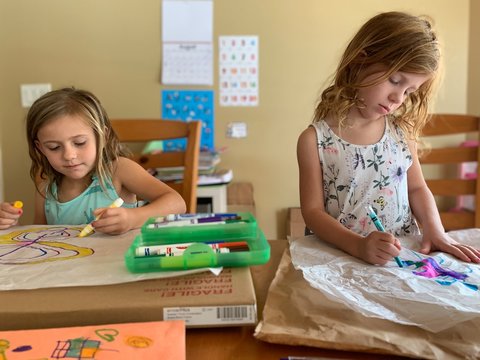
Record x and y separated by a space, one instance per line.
320 126
123 161
125 168
309 134
122 165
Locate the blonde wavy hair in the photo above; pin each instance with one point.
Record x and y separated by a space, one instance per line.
70 101
399 42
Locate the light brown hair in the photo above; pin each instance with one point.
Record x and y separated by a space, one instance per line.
70 101
399 42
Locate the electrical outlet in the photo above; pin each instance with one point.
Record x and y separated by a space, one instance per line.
31 92
237 130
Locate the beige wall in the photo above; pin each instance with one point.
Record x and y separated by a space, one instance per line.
112 47
474 60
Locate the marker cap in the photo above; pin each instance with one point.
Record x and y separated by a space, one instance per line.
117 203
18 204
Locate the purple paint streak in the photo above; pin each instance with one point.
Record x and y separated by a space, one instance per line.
431 269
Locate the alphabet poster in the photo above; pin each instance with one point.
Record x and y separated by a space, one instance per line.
42 256
238 70
148 340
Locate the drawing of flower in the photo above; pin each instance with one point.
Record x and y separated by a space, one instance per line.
398 173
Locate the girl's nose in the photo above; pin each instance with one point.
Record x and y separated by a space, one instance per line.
69 153
396 97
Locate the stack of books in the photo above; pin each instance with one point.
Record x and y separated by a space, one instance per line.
208 171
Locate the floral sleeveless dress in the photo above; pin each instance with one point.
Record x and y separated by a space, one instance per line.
356 176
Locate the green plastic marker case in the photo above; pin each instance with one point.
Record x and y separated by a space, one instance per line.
199 254
245 228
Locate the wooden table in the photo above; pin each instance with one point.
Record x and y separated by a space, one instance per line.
238 342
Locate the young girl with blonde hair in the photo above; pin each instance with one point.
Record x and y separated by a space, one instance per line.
79 168
361 148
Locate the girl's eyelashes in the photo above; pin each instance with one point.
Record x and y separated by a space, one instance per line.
394 81
77 144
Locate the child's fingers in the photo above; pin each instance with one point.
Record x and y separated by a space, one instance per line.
389 244
9 212
9 208
106 212
108 215
455 250
110 221
397 244
469 251
383 250
6 223
99 212
108 226
390 251
104 228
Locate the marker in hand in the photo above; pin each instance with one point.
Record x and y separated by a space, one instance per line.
379 226
87 230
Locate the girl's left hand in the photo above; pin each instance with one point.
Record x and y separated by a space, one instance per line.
112 221
443 242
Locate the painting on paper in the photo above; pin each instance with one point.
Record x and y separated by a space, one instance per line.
149 340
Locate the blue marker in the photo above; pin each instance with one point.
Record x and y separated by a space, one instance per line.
379 227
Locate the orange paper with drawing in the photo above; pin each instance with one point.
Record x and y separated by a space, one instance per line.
148 340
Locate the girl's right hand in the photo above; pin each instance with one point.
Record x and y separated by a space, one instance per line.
379 247
9 215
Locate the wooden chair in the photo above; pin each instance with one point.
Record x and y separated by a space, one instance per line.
145 130
447 125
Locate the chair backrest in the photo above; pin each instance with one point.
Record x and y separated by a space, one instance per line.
449 124
145 130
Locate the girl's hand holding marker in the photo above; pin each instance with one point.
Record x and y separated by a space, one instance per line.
89 229
393 251
10 213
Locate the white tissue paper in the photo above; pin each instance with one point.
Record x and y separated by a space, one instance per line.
422 294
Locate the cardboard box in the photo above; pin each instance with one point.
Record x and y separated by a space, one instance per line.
295 222
202 300
240 197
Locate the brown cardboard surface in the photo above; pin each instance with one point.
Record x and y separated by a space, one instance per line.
297 314
295 222
240 193
238 343
129 302
263 275
241 208
240 197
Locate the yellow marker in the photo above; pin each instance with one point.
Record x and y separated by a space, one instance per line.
18 204
87 230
